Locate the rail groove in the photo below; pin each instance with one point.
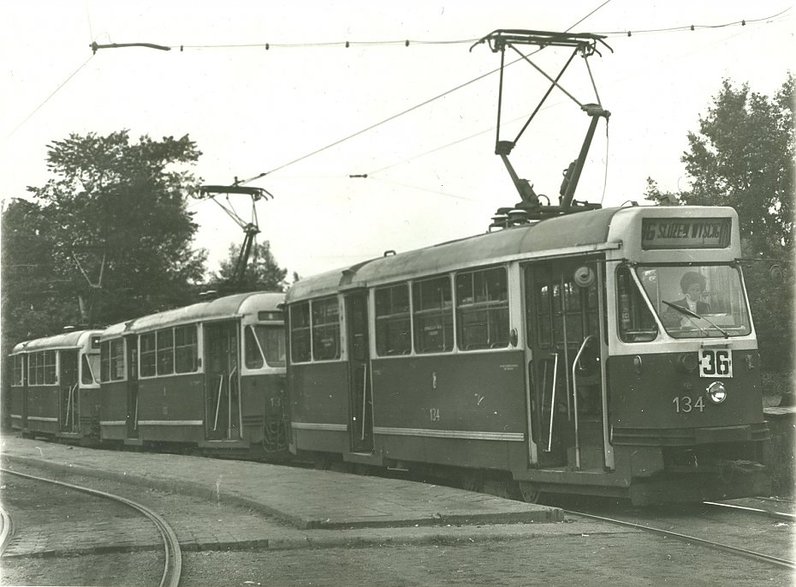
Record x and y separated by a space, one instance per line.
171 546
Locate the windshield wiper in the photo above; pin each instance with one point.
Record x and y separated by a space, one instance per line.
691 314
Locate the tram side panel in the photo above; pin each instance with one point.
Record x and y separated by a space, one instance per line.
264 410
319 406
463 410
113 410
171 408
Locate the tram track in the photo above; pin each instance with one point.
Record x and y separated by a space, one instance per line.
172 552
776 515
691 539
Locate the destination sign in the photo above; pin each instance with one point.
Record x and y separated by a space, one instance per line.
685 233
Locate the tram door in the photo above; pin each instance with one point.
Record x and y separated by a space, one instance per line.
222 381
360 393
563 306
131 351
68 383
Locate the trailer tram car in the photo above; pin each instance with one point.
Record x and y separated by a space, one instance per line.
209 376
55 386
556 355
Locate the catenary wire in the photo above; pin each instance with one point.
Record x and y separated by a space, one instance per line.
48 98
407 110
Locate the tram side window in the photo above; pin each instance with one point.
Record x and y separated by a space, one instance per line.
148 359
483 309
112 360
18 371
41 368
186 349
165 351
392 321
433 315
325 329
636 323
300 332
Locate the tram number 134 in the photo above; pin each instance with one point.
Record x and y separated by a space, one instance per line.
715 363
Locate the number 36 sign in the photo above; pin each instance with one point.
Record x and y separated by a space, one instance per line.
715 363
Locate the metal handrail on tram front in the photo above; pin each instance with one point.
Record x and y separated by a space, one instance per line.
552 403
575 397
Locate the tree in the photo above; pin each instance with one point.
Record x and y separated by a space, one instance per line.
261 273
109 234
743 156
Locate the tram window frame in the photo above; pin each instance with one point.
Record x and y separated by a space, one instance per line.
637 310
186 349
300 333
393 320
147 355
325 320
165 351
431 318
112 366
268 340
482 307
87 372
42 368
18 371
252 353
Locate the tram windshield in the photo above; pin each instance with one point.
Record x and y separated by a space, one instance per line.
695 301
269 340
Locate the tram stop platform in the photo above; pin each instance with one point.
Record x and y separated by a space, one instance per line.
304 499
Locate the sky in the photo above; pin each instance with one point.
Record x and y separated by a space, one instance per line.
270 88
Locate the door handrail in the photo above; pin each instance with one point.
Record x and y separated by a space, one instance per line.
218 401
364 398
575 396
240 404
552 403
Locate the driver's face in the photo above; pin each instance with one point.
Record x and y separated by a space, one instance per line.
694 292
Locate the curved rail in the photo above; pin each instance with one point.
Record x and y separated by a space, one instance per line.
171 546
7 529
779 562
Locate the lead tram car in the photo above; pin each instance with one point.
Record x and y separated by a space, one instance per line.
553 355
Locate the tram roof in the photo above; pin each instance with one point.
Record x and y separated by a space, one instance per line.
65 340
573 230
218 309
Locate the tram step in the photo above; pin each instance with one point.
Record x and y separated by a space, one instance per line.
224 444
591 457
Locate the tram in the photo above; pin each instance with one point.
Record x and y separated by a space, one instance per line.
55 386
559 355
208 376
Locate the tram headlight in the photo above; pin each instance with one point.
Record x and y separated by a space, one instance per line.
717 392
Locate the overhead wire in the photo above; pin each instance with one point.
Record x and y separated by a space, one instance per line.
484 75
49 97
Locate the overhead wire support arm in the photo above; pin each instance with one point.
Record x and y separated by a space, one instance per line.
584 44
250 229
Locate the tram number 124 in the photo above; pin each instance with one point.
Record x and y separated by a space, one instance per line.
715 363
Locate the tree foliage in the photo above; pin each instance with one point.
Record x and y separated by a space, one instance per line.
261 273
108 237
743 156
